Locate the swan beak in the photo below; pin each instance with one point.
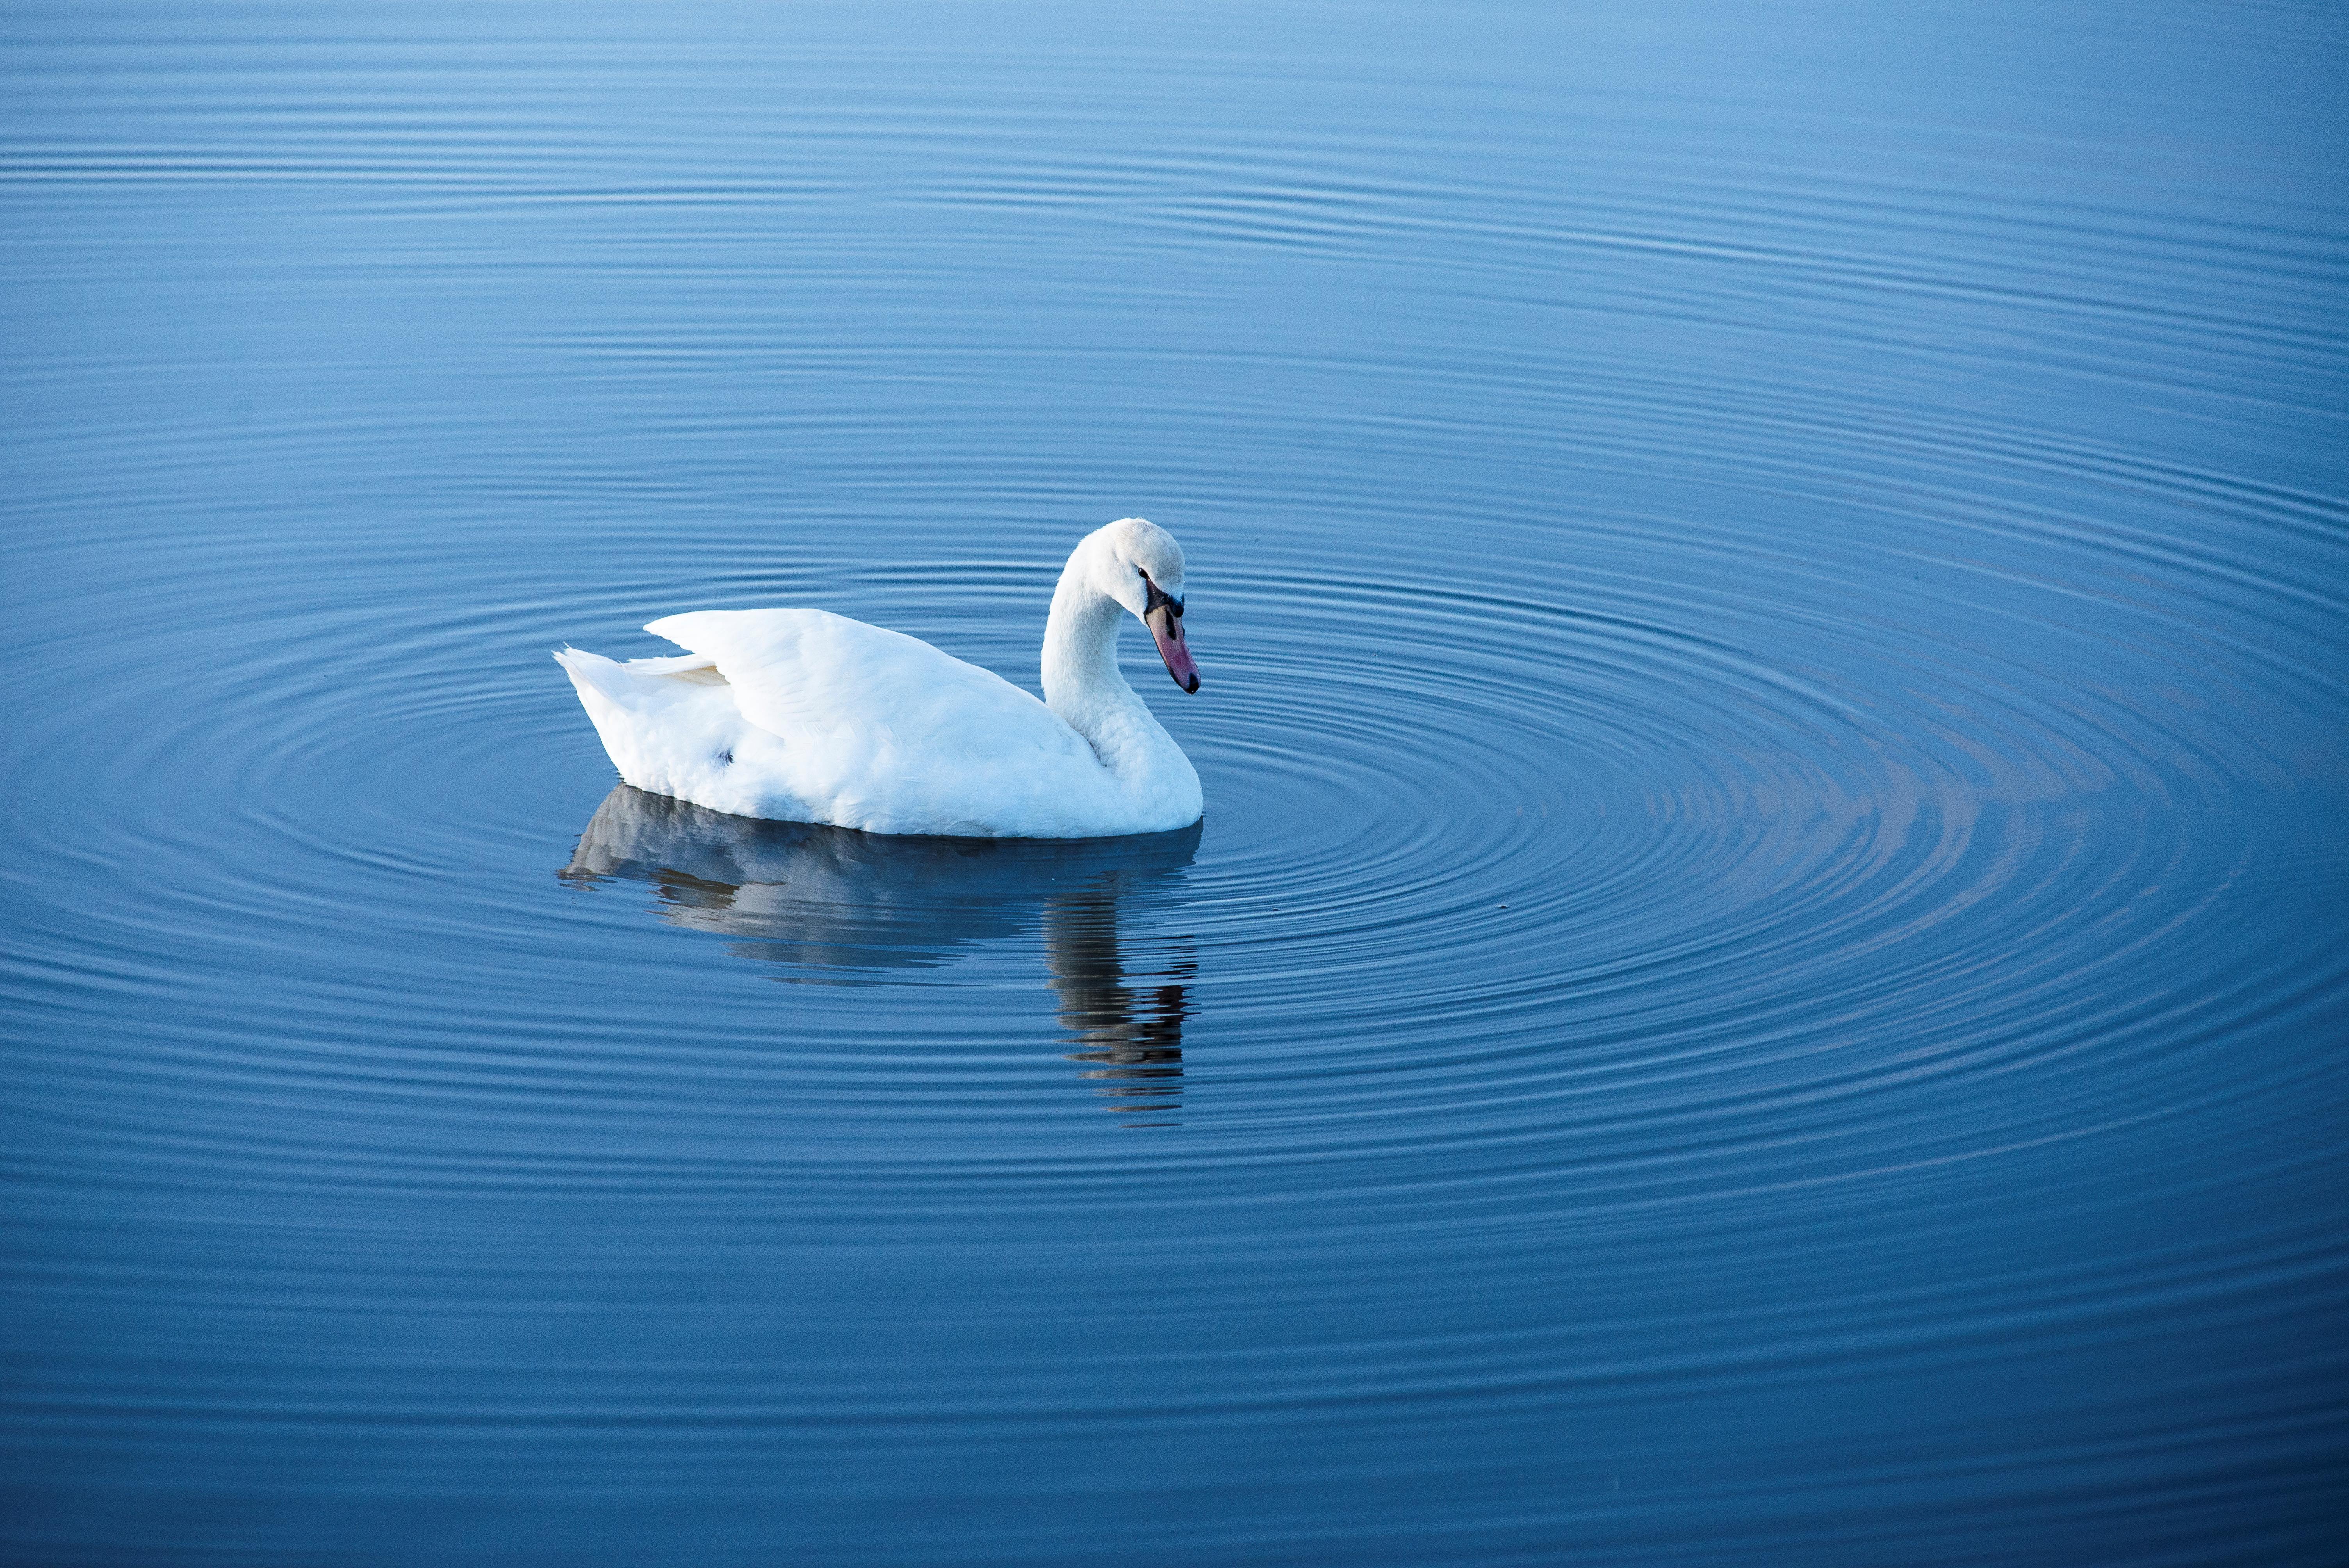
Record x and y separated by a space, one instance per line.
1166 624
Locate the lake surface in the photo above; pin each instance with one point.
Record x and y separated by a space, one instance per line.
1766 977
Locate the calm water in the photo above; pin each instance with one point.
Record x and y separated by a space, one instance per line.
1764 980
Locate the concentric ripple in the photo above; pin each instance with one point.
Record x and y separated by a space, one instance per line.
1762 981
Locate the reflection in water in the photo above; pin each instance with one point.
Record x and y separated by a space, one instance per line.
834 906
1133 1030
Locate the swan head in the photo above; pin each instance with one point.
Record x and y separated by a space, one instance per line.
1138 563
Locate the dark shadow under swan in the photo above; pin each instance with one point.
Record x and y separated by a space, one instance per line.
832 906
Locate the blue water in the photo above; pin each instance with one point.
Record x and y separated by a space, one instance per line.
1766 977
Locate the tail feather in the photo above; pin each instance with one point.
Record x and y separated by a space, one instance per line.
632 683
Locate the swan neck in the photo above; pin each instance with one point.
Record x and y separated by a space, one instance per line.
1081 681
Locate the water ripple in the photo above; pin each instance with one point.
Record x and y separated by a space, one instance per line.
1759 979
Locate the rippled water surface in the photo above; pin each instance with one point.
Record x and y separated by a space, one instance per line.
1765 975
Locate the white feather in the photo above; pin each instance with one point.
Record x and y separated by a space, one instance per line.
804 716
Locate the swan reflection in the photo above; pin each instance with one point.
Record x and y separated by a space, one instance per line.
835 906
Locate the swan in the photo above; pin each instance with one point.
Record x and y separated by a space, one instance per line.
802 715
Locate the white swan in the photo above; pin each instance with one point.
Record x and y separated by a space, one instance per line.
807 717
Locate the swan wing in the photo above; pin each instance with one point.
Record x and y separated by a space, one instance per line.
889 733
809 673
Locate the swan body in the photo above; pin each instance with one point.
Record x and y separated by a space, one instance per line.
808 717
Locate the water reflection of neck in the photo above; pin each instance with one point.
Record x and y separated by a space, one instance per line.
1134 1031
